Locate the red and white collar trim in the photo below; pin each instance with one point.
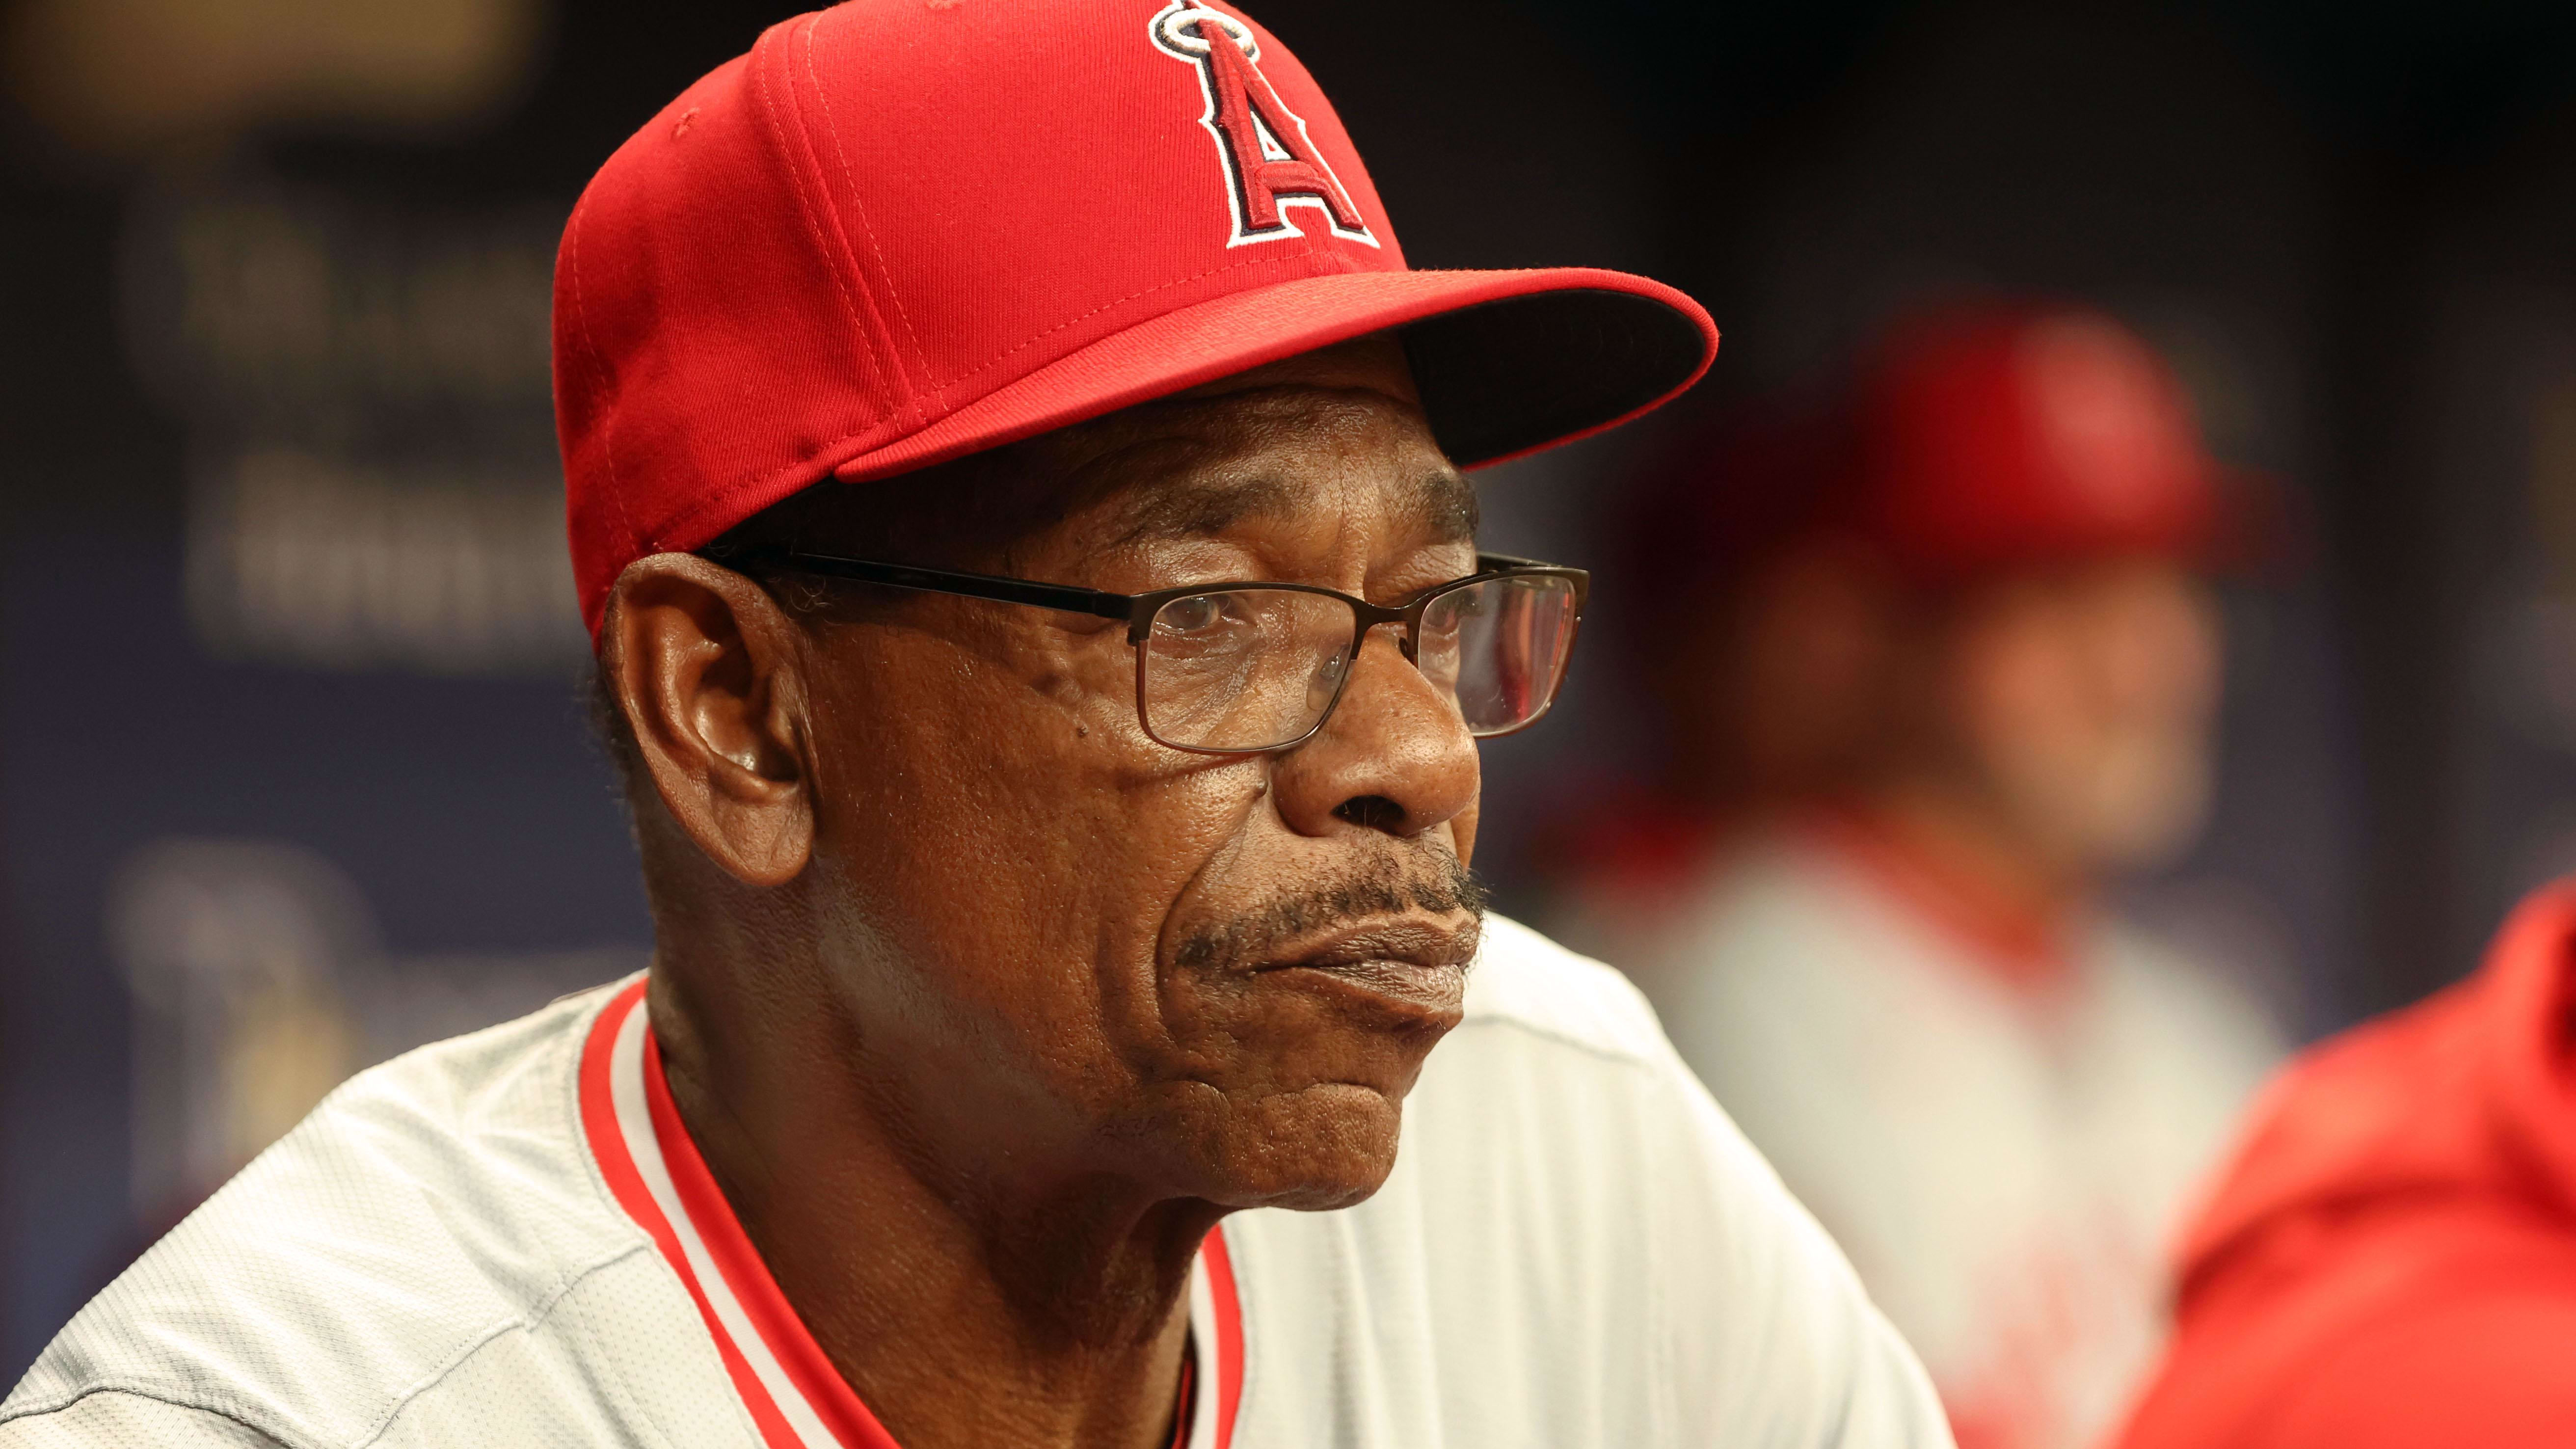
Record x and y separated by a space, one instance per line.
790 1388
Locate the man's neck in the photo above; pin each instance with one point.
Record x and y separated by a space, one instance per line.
964 1304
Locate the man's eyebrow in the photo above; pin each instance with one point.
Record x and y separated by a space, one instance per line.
1203 509
1442 503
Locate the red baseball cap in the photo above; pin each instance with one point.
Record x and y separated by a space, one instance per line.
901 231
1967 442
1998 435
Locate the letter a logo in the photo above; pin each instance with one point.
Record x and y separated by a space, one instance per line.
1270 163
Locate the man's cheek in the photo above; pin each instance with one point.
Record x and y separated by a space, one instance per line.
1191 833
1121 857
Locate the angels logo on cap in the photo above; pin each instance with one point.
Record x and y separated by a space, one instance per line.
831 258
1270 163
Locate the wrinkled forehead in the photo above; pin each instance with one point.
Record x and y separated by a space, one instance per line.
1328 440
1281 453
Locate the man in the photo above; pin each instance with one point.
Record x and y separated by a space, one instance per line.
2392 1261
1013 488
1965 675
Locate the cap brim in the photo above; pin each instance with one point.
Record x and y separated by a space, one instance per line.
1508 363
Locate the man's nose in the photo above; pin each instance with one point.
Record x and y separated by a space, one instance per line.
1394 757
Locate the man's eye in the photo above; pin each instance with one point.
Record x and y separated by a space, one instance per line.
1195 615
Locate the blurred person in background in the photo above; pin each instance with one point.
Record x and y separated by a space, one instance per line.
1964 674
2391 1262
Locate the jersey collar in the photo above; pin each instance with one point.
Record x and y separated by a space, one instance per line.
794 1395
2026 949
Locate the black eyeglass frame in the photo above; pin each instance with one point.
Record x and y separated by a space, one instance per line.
1138 611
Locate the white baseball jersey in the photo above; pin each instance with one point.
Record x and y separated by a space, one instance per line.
508 1239
2002 1158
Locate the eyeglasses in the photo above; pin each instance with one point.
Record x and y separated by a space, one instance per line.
1242 669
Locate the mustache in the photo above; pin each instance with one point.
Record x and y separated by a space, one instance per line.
1258 933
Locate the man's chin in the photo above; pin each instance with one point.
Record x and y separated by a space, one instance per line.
1323 1147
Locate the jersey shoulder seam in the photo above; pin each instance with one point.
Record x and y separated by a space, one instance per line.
1589 1046
527 1322
159 1394
566 1048
226 1403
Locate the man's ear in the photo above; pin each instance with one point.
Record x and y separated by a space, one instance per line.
707 667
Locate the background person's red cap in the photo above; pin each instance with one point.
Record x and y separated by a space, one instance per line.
901 231
1966 443
1995 436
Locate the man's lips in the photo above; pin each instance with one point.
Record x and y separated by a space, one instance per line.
1416 962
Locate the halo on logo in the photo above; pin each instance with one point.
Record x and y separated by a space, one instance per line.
1270 164
1184 32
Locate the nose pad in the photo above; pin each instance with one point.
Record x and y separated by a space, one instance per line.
1330 674
1326 682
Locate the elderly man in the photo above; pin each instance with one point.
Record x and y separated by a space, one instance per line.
1014 488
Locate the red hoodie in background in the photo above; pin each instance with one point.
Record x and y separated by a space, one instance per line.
2392 1257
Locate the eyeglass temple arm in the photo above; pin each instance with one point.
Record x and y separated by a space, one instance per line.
973 586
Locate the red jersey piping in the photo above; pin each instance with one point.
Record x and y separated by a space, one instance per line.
785 1381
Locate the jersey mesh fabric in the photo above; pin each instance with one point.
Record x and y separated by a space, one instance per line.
114 1420
427 1259
1576 1247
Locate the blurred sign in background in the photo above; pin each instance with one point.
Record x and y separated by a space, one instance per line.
372 467
293 772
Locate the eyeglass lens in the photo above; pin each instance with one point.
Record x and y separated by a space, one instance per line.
1254 668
